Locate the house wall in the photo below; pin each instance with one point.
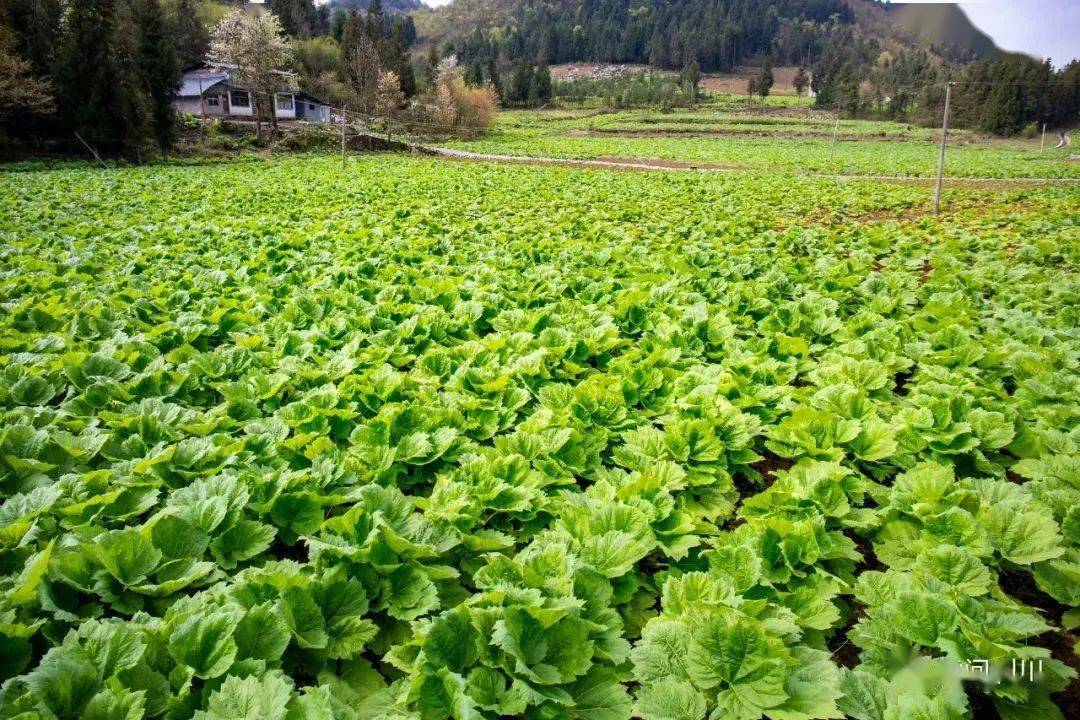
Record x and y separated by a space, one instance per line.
186 105
208 104
239 110
284 113
312 111
192 105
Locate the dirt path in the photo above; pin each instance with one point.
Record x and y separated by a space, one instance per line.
617 163
691 132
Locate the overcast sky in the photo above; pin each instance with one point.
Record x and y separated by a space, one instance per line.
1043 28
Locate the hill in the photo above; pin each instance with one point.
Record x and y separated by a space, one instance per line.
395 6
721 34
947 27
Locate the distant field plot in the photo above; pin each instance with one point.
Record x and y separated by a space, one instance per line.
417 440
770 141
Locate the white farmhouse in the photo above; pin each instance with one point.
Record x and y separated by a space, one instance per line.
210 90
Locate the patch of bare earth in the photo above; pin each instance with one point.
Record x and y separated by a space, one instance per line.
736 83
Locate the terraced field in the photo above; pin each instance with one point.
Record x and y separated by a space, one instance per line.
767 141
423 439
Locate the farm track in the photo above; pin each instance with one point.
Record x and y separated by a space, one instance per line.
612 163
700 133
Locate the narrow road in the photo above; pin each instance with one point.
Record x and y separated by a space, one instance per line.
682 166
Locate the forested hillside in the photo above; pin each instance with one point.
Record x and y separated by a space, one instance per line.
719 33
864 56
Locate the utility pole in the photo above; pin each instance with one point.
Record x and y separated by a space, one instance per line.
944 142
836 129
343 139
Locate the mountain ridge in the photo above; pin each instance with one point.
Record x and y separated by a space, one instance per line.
943 27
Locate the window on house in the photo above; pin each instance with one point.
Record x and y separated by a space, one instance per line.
284 102
212 101
311 106
239 98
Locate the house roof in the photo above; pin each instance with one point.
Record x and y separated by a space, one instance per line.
308 97
210 74
196 81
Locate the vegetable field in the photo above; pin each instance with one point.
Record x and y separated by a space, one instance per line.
425 440
750 142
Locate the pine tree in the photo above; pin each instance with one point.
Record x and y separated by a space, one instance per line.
297 17
801 81
406 75
160 68
130 94
493 75
31 29
475 74
375 14
337 23
190 36
360 60
431 68
691 78
98 91
520 82
397 57
540 90
847 89
765 80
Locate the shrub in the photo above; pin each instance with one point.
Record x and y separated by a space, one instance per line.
457 106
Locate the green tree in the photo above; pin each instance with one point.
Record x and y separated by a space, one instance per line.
540 87
160 68
318 62
801 81
431 67
298 18
690 79
493 75
520 82
98 90
765 80
847 90
189 34
337 23
31 29
474 75
396 56
360 61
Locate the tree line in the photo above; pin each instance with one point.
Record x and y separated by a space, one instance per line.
105 73
848 69
102 71
858 75
718 34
